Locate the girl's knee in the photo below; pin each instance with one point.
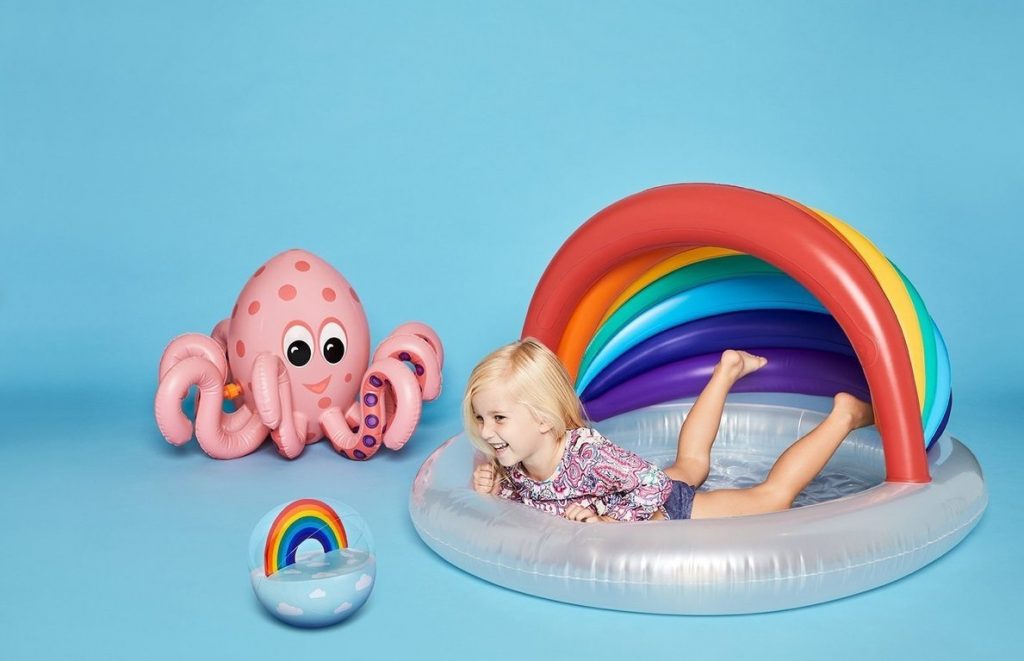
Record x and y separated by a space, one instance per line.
773 498
693 473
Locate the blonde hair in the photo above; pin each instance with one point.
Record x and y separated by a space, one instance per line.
535 378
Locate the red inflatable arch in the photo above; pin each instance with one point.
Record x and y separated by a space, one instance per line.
772 229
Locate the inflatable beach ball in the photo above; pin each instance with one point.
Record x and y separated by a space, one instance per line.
312 562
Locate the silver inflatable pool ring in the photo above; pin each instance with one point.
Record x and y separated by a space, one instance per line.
850 531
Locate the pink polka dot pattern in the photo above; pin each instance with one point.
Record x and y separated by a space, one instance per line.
297 288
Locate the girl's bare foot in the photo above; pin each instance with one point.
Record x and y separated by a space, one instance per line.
860 414
737 364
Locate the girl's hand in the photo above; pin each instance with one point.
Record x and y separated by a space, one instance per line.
485 479
582 514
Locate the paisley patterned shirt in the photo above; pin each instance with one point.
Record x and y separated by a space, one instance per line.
594 472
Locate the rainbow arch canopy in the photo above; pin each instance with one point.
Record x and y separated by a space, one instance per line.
644 296
299 521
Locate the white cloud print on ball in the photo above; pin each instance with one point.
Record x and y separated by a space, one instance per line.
320 588
288 609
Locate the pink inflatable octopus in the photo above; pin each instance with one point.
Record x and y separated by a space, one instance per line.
294 356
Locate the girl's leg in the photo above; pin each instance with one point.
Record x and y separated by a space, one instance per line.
693 456
794 470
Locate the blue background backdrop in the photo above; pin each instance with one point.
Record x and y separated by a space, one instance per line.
153 155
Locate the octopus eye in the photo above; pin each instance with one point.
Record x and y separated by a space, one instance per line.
332 342
298 345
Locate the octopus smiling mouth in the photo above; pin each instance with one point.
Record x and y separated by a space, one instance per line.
317 387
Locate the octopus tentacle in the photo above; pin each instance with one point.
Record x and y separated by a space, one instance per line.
220 333
264 398
173 424
226 435
299 423
390 396
338 431
220 336
272 397
418 344
424 331
192 344
408 402
220 435
362 440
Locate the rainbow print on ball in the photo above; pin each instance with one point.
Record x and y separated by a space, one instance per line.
300 521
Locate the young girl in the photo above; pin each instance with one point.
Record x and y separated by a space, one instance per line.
521 411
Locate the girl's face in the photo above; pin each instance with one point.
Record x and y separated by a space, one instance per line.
510 428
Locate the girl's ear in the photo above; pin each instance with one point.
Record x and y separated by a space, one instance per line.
543 424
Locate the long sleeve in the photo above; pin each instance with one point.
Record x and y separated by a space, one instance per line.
509 491
593 472
642 488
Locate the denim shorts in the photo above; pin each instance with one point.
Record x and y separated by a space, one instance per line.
680 502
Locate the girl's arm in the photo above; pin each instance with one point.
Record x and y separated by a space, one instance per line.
643 487
576 512
487 478
507 491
